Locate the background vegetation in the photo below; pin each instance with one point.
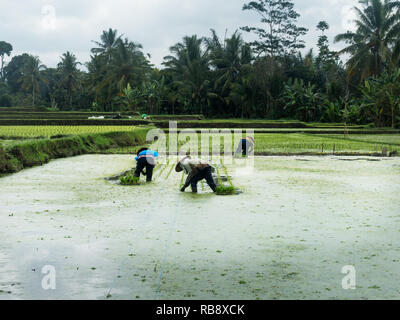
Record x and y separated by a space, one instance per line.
227 77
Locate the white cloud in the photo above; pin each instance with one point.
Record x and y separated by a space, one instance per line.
348 17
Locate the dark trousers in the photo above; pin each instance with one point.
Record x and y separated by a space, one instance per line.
203 174
144 163
244 146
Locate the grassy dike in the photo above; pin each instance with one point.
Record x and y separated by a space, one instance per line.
38 152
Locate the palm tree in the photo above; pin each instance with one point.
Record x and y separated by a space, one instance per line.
229 59
371 45
97 71
128 65
242 94
109 41
31 77
70 73
190 66
114 68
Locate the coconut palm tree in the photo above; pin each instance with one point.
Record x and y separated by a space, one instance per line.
128 65
109 75
190 66
231 63
109 41
242 94
95 75
378 33
228 59
31 76
68 68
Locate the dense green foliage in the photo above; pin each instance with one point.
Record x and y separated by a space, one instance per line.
268 78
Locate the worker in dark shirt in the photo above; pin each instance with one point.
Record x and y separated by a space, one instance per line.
145 159
197 170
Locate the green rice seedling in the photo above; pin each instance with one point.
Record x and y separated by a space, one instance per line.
182 177
163 169
130 180
170 170
218 176
227 174
225 190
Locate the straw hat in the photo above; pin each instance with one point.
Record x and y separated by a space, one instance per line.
178 167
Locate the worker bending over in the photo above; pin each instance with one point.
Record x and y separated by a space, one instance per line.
196 170
145 159
246 146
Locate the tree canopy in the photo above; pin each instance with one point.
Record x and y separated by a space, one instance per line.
273 77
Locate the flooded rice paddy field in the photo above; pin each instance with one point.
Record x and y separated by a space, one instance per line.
298 221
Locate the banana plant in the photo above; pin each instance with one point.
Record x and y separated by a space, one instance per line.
303 100
130 98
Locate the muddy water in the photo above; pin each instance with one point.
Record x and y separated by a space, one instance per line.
287 236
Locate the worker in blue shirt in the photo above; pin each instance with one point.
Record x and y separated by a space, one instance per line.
146 159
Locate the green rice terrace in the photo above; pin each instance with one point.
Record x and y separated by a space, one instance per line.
26 145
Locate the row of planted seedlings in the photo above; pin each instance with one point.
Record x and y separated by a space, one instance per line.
270 145
323 148
48 131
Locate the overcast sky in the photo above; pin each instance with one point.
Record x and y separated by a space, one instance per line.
47 28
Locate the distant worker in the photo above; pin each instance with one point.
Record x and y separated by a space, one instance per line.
146 158
196 170
246 146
